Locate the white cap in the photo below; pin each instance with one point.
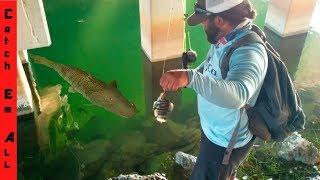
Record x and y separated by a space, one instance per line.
214 6
217 6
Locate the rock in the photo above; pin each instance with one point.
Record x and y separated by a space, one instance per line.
245 177
164 163
138 148
51 100
174 137
91 157
156 176
160 163
297 148
315 177
170 132
128 151
187 161
51 104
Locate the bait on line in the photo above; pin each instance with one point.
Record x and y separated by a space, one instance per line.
162 107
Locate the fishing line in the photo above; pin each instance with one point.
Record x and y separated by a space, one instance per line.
188 55
186 32
189 40
185 17
184 8
163 107
168 33
167 38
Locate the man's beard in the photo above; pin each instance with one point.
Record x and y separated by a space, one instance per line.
212 34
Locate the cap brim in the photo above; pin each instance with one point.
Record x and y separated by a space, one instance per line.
195 19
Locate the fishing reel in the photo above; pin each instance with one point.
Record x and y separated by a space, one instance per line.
162 107
188 57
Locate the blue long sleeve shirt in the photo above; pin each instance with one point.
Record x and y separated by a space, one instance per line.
220 100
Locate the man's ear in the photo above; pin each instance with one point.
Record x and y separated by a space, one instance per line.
223 24
219 21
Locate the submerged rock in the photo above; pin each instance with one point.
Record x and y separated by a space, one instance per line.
91 156
315 178
172 136
297 148
51 103
164 163
137 149
156 176
128 151
187 161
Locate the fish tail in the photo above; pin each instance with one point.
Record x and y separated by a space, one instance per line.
42 60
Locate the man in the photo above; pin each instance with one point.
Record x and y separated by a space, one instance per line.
220 101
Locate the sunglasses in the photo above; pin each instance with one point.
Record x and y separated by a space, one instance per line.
199 10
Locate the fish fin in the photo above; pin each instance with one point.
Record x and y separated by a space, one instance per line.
114 84
71 90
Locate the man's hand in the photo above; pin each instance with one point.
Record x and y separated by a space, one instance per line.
174 79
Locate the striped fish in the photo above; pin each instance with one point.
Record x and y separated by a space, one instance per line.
96 91
162 108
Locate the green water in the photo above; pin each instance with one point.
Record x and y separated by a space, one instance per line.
103 37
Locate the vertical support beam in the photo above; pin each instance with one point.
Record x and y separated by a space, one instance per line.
32 32
289 17
162 28
25 102
290 48
23 55
152 75
27 137
32 25
162 38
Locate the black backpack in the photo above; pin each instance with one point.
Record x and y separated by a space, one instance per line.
277 112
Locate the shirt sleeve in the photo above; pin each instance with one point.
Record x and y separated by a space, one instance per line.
245 75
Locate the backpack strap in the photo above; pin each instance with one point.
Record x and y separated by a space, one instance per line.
254 37
233 141
245 40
